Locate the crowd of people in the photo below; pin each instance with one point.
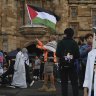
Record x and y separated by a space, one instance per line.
69 57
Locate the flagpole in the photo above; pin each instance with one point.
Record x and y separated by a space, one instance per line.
26 6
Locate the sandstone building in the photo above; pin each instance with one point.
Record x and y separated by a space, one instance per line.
15 29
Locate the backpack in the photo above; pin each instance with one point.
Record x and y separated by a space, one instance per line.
67 58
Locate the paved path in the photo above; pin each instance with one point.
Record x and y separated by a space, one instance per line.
32 91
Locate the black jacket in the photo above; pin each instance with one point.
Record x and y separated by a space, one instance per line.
70 44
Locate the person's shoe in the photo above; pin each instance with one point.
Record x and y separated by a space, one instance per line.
1 76
52 89
43 88
31 84
11 86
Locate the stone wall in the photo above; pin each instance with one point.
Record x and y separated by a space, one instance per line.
10 24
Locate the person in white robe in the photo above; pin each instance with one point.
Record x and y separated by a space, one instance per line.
90 74
88 82
19 77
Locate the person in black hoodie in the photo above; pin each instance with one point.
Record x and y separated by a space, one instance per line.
67 52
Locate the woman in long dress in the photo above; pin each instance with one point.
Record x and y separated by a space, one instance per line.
19 77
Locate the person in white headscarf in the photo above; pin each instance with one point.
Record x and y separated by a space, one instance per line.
19 77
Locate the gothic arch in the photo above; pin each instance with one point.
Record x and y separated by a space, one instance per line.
32 49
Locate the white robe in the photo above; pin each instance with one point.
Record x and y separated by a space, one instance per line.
19 77
89 72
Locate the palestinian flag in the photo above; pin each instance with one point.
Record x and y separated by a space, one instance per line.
42 16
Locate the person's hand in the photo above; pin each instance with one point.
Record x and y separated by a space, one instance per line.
89 49
36 39
32 68
85 92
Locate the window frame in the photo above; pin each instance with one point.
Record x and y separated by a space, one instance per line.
70 12
36 1
72 24
81 2
92 15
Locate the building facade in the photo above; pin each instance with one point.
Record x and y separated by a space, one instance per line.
15 28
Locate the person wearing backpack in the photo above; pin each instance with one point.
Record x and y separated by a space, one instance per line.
67 52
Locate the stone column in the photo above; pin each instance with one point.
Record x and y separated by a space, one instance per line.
61 9
9 27
4 33
0 25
